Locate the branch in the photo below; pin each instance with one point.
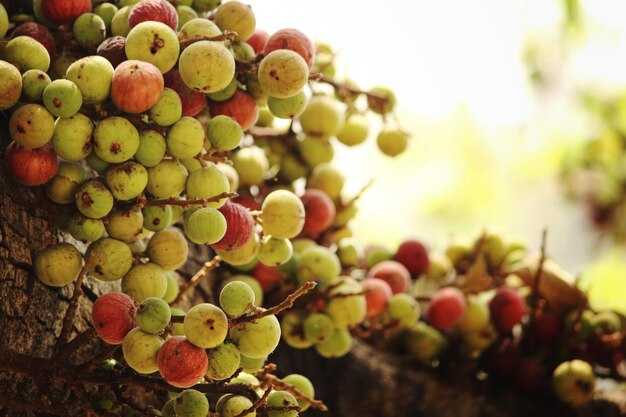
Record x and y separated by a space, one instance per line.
287 303
91 365
257 403
227 35
71 308
195 280
76 343
342 86
29 405
172 201
280 384
542 259
53 370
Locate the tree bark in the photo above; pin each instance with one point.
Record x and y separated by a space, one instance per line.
365 383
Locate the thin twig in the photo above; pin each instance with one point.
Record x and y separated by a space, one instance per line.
73 305
319 77
539 273
227 35
172 201
282 385
257 403
195 280
287 303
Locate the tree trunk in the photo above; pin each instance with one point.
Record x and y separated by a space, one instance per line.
364 383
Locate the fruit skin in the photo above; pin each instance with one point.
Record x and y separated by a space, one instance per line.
140 350
4 20
153 314
112 259
58 265
414 256
392 141
31 125
63 12
156 10
93 75
319 211
237 17
240 227
206 325
283 73
377 295
30 166
258 39
181 363
268 276
26 53
38 32
446 308
126 180
507 308
113 49
258 338
143 281
161 245
241 106
63 186
424 342
283 214
62 98
136 86
281 399
193 102
93 199
349 310
153 42
10 85
574 382
191 403
394 273
113 316
293 40
216 71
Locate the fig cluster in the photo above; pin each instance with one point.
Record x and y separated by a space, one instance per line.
519 318
141 121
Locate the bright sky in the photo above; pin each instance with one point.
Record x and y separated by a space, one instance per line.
482 152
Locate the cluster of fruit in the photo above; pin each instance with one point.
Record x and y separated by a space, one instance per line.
515 317
144 120
163 119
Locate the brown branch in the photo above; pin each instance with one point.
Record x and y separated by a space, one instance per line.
73 305
172 201
52 370
29 405
82 339
108 351
257 403
319 77
268 132
346 295
284 408
227 35
282 385
197 278
535 290
230 378
287 303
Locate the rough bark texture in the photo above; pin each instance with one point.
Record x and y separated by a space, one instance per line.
364 383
